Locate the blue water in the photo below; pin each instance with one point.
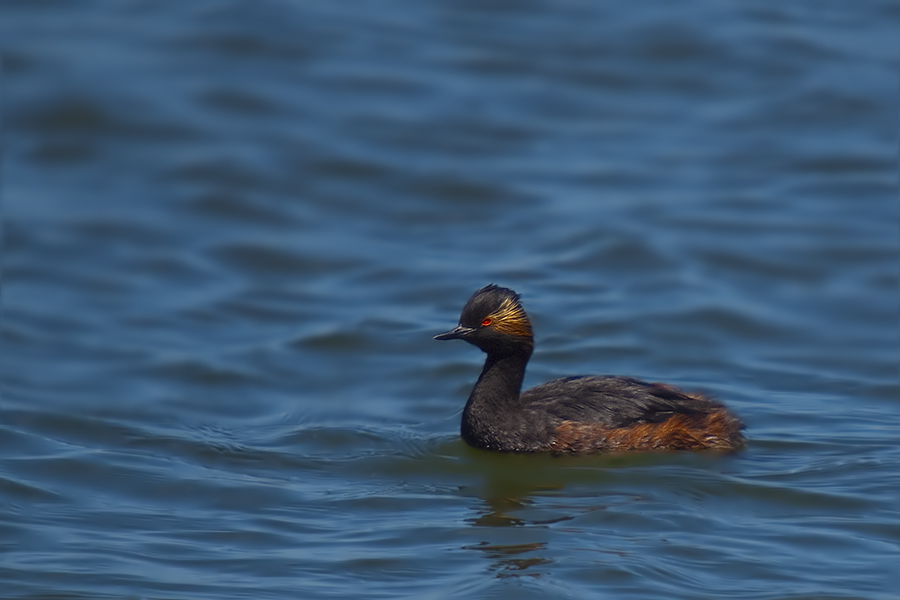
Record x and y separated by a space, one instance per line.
230 231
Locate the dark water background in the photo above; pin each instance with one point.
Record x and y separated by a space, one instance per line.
231 229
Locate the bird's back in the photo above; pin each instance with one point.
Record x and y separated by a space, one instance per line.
620 413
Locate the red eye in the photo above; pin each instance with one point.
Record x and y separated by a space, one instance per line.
486 322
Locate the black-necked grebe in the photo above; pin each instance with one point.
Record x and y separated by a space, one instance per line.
572 414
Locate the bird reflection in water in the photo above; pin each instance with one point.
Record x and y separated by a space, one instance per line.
520 508
505 563
507 560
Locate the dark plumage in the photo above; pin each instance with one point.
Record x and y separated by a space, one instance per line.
572 414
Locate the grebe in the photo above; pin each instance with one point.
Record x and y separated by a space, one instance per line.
573 414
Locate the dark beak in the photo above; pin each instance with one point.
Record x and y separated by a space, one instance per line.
460 333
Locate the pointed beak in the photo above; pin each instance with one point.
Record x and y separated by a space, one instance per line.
460 333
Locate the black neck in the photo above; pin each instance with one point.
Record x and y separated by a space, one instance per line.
494 397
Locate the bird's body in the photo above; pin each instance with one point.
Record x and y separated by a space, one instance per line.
572 414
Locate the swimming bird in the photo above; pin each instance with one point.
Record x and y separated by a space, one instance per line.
603 413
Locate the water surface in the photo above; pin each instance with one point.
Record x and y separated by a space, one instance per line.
230 232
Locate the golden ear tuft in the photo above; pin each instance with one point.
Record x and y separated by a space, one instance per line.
511 319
